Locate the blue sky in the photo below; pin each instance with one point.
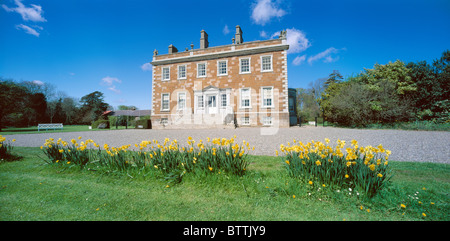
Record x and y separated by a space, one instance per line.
81 46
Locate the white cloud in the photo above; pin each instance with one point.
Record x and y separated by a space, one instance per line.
28 29
299 60
296 39
264 10
113 88
326 55
263 34
33 13
146 67
110 80
226 30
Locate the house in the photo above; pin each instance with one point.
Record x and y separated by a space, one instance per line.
240 84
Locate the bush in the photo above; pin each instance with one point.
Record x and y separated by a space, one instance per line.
97 123
364 168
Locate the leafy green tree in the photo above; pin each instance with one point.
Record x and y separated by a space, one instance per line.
334 77
396 72
92 106
431 98
12 98
307 106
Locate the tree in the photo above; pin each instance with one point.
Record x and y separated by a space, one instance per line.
334 77
433 85
37 105
69 107
12 98
307 106
396 72
92 106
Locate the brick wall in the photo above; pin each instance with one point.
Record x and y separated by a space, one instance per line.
234 80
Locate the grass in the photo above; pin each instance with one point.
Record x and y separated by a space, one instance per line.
67 128
31 189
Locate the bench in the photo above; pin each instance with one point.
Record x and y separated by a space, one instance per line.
50 126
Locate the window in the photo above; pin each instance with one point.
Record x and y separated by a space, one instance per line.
200 101
182 72
267 96
181 101
266 63
222 67
164 121
223 100
245 120
201 70
165 105
166 73
245 98
244 66
267 120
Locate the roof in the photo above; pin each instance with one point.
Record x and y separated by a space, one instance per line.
128 112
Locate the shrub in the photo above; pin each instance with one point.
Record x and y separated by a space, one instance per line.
365 168
96 123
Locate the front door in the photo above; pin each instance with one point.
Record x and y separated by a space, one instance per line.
211 104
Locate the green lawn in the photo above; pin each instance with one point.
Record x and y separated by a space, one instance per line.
66 128
30 189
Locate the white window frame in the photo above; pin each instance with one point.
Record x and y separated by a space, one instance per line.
263 104
267 120
185 71
202 102
271 63
181 107
162 101
162 73
222 100
201 76
218 67
245 123
241 99
249 64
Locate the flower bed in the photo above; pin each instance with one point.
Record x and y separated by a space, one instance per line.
6 148
168 158
365 168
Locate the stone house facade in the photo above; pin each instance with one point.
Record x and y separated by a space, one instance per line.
241 84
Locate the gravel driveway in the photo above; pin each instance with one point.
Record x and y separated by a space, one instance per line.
417 146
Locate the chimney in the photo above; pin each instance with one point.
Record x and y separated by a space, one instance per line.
238 35
172 49
204 40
